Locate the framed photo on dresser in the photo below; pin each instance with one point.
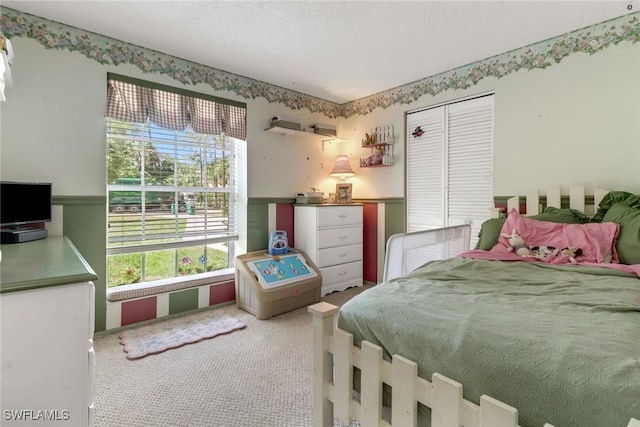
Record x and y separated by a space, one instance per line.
343 193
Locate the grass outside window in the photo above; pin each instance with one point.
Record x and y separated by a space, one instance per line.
125 269
128 268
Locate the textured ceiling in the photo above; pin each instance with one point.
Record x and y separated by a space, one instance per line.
336 50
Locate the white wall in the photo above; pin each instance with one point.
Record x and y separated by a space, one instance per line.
53 128
53 121
576 122
282 166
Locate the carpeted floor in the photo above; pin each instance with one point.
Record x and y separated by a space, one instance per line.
257 376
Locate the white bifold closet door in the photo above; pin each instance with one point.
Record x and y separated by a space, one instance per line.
450 166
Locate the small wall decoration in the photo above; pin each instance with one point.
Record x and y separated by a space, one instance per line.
343 193
418 132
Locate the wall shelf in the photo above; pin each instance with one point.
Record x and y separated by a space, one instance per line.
378 144
303 134
380 148
376 166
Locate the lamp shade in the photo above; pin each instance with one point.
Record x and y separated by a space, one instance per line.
342 167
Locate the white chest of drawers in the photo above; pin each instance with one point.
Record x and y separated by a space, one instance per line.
47 324
331 235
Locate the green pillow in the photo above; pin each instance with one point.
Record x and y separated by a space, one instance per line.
608 200
628 216
563 216
489 233
490 229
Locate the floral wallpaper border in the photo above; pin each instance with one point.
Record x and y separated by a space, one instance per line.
107 51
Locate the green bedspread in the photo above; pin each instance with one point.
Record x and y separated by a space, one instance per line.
560 344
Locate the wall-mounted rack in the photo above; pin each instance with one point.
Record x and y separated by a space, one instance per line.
380 144
303 134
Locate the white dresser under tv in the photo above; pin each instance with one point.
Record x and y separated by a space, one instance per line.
331 236
46 331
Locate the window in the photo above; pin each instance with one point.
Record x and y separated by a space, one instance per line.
171 188
450 165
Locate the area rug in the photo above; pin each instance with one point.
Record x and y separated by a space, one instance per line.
165 335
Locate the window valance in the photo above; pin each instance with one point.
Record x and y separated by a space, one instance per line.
137 101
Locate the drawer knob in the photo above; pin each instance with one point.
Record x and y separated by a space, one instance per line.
342 274
343 255
342 216
342 237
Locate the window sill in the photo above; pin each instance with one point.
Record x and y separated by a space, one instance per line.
139 290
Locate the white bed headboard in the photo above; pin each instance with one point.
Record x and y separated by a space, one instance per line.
407 251
577 200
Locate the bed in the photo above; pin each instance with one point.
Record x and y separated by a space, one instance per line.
458 337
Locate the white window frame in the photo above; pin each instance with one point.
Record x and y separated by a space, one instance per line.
185 239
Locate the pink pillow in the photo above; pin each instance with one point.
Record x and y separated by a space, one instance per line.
597 240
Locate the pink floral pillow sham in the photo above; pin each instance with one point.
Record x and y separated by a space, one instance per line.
597 240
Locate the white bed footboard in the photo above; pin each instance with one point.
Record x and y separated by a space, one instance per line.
334 403
335 355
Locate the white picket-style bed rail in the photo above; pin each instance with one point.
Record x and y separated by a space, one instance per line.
576 195
334 357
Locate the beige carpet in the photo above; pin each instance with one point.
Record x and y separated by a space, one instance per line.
259 376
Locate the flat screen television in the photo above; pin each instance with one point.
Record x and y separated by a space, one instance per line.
23 203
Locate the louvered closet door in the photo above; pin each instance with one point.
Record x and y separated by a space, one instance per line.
470 163
425 170
450 167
